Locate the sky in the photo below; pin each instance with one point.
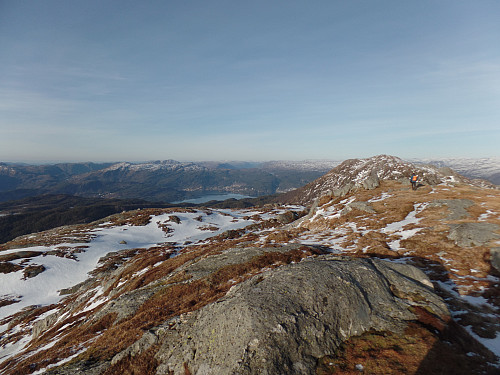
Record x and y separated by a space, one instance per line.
120 80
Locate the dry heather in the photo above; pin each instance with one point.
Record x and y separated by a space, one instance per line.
416 351
458 264
363 232
171 294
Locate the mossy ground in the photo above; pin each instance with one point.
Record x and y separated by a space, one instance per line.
417 351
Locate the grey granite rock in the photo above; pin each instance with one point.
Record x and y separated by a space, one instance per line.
282 321
473 234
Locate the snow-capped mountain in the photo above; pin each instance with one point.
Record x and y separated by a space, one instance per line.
304 165
484 168
165 165
166 181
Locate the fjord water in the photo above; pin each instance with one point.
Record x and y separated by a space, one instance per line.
214 197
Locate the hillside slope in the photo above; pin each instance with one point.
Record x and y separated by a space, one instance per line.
45 212
484 168
367 173
386 280
166 180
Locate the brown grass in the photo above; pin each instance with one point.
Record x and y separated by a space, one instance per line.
173 300
283 236
417 351
144 363
6 302
383 353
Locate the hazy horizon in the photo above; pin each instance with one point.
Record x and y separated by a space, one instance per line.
49 162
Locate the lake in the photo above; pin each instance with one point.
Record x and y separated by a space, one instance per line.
213 197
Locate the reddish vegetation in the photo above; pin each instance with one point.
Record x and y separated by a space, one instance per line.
417 351
144 364
106 337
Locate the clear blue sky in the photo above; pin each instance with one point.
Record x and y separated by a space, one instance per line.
248 80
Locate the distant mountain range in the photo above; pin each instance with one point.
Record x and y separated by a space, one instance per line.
171 180
167 180
485 168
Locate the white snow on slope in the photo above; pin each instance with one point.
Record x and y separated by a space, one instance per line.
65 272
398 227
474 168
492 344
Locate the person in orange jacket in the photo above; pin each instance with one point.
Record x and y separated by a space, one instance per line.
413 180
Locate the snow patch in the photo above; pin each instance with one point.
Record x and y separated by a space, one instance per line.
61 273
397 228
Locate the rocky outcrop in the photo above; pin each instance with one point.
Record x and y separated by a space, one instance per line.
366 174
174 219
495 258
287 217
361 206
370 183
211 264
283 320
343 190
473 234
457 207
33 270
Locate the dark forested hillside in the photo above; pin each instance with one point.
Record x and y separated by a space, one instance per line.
166 181
35 214
44 212
20 180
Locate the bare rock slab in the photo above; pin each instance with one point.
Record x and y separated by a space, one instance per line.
473 234
282 321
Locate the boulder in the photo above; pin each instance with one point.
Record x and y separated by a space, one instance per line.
361 206
282 321
473 234
370 183
495 258
287 217
457 207
344 190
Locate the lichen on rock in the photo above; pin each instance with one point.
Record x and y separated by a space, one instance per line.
282 321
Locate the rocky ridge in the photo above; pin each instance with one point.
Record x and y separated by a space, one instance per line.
483 168
367 173
380 279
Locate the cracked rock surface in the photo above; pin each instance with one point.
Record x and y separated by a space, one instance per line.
283 320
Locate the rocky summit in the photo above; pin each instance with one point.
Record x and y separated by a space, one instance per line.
367 174
354 273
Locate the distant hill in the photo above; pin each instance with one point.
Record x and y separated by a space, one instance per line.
21 180
35 214
485 168
167 180
367 173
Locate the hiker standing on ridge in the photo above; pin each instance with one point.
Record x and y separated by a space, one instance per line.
413 180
